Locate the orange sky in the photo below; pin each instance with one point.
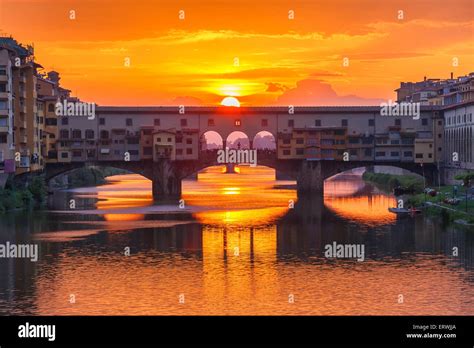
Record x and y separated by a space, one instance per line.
281 61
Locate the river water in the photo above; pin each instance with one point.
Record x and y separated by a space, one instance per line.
238 246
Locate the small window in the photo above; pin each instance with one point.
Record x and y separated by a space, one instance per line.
371 122
156 121
264 122
286 152
102 121
129 122
291 123
184 122
419 155
344 123
64 155
189 151
64 121
51 107
300 140
317 123
237 123
300 151
169 140
189 141
398 122
210 122
158 140
424 121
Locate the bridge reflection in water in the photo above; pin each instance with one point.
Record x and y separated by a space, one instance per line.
241 250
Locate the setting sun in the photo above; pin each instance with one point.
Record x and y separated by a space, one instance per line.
230 101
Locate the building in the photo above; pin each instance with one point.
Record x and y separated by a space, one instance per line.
459 138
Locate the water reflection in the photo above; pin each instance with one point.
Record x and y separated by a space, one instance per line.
236 249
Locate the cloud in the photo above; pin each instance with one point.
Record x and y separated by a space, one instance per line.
275 87
315 92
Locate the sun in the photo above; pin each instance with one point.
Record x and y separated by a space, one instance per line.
230 101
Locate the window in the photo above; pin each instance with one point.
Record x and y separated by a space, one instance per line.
264 122
395 142
430 155
3 105
291 123
286 152
158 140
52 136
102 121
3 87
189 141
64 155
104 134
184 122
300 140
129 122
179 139
439 135
339 132
353 152
156 122
169 140
133 141
424 121
368 152
394 154
3 71
300 151
51 107
286 141
380 153
237 123
189 151
147 151
210 122
3 138
179 152
371 122
408 154
133 152
439 149
398 122
440 123
419 155
147 132
64 121
353 140
76 134
77 153
51 121
64 134
344 123
89 134
317 123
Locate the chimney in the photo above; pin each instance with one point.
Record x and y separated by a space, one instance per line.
451 75
424 78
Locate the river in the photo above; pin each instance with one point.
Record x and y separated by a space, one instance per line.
242 244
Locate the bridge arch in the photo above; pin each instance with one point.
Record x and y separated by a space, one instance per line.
264 140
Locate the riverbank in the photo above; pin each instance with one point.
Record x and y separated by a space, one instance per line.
387 182
22 198
463 212
433 205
